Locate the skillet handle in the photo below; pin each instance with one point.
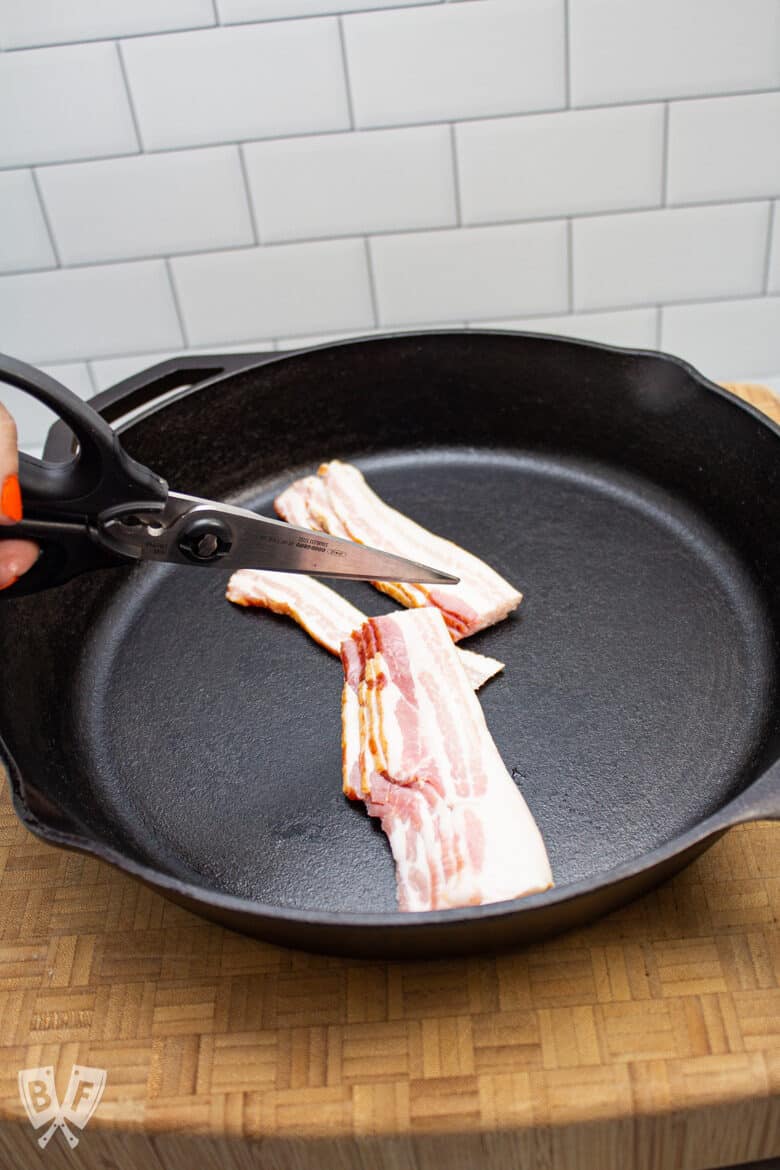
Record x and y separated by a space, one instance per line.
146 387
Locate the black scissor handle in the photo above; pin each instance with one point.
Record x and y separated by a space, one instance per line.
100 475
62 500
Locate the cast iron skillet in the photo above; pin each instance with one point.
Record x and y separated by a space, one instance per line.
196 745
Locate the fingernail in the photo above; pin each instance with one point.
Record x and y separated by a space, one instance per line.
11 499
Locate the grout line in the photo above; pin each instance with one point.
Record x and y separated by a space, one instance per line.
566 54
371 281
665 157
248 193
177 303
47 222
570 264
505 223
214 347
312 131
93 158
216 13
172 32
456 176
386 232
409 326
672 302
347 81
658 321
92 378
130 102
772 227
342 10
630 308
182 349
102 40
156 256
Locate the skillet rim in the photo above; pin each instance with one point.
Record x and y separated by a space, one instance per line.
255 360
738 811
759 800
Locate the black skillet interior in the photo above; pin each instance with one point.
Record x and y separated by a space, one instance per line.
630 502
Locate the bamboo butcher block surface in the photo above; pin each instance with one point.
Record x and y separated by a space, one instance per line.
649 1040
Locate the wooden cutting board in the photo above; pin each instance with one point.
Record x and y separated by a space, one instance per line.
647 1041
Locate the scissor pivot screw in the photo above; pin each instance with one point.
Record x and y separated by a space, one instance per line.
205 541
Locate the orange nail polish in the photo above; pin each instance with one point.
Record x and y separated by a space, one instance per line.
11 499
8 584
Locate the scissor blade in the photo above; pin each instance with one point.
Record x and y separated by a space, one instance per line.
271 544
190 530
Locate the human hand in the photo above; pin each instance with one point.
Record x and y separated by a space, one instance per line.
16 556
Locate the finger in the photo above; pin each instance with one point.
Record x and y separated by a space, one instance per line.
10 496
16 556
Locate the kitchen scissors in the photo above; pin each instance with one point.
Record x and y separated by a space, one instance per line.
102 508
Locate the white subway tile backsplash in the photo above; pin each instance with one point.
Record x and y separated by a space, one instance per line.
342 184
31 417
24 240
280 289
247 109
146 205
671 254
108 371
725 340
632 50
724 148
261 345
46 22
455 61
239 11
68 313
629 327
63 103
238 83
470 273
560 164
74 375
309 341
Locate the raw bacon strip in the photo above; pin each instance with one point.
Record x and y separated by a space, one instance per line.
416 749
324 614
307 503
338 500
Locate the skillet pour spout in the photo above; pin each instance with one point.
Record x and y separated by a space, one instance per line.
635 504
